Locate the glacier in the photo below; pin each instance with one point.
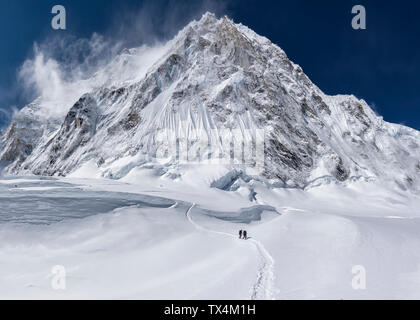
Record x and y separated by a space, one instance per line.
134 186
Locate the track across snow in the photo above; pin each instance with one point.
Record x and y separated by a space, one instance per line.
263 288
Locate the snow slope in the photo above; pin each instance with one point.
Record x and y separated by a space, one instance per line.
153 243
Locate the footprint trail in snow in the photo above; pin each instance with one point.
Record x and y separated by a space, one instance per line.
263 288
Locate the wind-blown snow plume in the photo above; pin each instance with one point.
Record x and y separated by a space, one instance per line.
214 77
59 68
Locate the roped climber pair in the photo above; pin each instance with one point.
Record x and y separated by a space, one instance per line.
243 234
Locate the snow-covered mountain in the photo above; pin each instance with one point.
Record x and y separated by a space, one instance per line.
164 226
221 83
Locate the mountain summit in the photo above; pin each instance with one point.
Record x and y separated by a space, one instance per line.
221 83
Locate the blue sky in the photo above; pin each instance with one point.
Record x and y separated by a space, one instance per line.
380 64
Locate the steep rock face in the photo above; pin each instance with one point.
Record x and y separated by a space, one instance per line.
76 131
26 131
223 82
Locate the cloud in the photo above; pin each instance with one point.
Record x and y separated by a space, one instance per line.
62 68
58 68
6 115
42 75
7 107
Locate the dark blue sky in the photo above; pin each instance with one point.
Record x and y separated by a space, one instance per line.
380 64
